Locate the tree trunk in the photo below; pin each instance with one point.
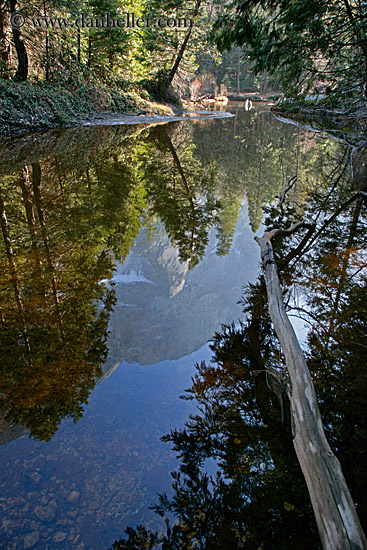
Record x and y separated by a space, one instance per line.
89 62
36 182
184 180
343 273
239 72
4 50
183 46
47 65
22 71
180 171
24 185
14 275
336 517
78 46
359 34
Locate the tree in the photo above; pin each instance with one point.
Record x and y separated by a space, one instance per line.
53 342
22 71
183 47
168 50
55 304
301 44
182 193
244 423
4 45
237 427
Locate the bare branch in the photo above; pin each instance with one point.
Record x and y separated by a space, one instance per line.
291 182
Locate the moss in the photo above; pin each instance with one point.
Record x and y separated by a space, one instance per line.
68 101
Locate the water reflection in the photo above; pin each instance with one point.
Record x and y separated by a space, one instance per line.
62 228
158 211
164 310
257 498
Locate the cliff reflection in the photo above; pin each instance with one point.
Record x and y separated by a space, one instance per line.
72 204
66 218
257 497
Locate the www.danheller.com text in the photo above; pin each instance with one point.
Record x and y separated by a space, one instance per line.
84 21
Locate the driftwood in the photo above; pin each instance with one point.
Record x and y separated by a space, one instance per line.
336 517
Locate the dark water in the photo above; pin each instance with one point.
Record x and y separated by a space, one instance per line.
123 251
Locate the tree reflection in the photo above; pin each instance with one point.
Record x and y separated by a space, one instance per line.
258 498
65 219
63 226
182 191
252 155
54 322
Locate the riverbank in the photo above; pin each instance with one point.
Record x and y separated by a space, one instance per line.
344 123
27 107
18 149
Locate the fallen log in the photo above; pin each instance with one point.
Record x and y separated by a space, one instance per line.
336 517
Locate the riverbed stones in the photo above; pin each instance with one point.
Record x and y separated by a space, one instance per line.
73 497
31 539
60 536
46 513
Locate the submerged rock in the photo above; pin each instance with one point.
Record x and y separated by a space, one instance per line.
31 539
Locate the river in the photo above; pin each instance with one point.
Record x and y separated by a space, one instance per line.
124 249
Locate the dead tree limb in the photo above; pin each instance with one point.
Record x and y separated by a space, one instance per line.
291 183
292 229
336 517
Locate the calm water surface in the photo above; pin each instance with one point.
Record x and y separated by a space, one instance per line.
123 250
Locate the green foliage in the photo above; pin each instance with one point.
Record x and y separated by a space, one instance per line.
259 143
161 48
69 216
139 539
227 217
104 57
69 98
303 45
69 221
229 69
182 192
238 428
